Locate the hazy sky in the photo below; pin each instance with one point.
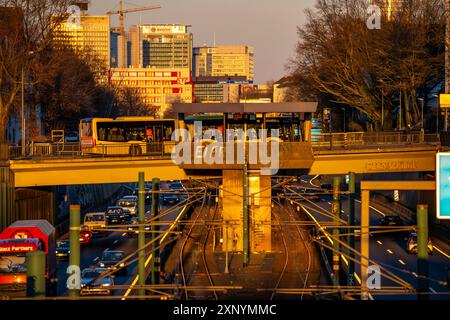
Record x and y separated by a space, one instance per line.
268 25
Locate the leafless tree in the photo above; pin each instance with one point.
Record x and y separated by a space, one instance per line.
24 34
340 61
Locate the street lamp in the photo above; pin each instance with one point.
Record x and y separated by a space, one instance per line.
437 111
23 128
421 102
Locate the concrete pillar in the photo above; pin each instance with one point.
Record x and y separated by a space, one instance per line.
259 211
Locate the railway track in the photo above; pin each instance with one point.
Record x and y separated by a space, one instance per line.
287 230
198 233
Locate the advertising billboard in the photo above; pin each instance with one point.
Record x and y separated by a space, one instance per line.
443 185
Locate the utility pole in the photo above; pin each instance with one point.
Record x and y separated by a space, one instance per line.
351 223
141 234
226 248
23 115
422 251
336 231
156 262
245 214
74 234
35 274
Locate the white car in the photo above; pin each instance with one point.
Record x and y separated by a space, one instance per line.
95 221
129 203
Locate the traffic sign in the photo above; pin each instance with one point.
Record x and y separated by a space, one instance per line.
444 100
443 185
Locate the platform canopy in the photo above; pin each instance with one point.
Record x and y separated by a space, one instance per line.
285 107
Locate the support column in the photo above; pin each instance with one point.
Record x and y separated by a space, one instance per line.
141 234
422 251
36 274
351 223
245 214
74 233
365 224
156 262
336 231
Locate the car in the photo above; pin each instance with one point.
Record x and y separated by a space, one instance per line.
448 277
62 249
90 286
133 228
94 222
127 214
71 136
148 195
115 215
411 244
85 236
129 203
109 260
170 198
391 220
326 186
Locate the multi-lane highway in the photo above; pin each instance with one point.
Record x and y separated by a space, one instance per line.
119 240
386 249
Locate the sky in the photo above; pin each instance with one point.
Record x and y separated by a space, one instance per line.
270 26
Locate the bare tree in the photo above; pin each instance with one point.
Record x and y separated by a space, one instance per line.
341 62
24 34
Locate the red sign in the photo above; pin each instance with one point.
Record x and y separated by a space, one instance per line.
18 245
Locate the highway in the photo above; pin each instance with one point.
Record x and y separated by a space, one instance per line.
388 249
91 254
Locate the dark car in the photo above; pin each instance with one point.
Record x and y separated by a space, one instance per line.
170 198
115 215
448 277
62 249
110 258
128 214
391 220
91 286
148 195
326 186
133 228
411 244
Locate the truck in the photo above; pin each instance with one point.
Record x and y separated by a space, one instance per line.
15 241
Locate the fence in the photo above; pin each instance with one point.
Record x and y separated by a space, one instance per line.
367 139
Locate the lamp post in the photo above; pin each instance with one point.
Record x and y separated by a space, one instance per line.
437 111
421 103
23 128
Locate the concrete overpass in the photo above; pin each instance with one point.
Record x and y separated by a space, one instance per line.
305 160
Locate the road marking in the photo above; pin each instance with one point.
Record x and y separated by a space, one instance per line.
96 259
401 261
124 234
432 290
127 293
441 252
373 208
115 242
415 274
329 202
379 242
390 251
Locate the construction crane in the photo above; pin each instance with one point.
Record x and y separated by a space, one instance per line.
121 12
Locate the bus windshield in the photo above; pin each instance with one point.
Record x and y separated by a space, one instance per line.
13 263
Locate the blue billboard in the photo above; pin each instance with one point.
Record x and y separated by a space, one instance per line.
443 185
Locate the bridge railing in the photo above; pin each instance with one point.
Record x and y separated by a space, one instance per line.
368 139
49 150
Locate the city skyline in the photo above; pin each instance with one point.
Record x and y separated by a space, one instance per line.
273 47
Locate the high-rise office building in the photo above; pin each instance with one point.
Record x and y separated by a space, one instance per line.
159 87
160 46
88 34
224 61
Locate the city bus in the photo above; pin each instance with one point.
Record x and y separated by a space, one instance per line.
127 136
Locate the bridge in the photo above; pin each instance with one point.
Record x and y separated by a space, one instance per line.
337 153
